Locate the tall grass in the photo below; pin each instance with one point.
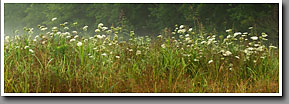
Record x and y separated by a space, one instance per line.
62 60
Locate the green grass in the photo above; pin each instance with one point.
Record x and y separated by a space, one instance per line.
172 62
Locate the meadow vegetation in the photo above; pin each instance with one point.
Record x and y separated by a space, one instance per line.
61 59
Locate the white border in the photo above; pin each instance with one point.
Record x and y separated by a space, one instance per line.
141 94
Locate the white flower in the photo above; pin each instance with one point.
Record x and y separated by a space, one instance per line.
104 54
30 50
229 36
182 26
273 47
85 28
254 38
104 36
196 60
65 23
79 44
203 42
74 32
26 47
191 29
138 52
227 53
237 33
181 31
264 35
99 36
68 36
54 28
117 57
97 30
229 30
250 27
43 29
237 57
104 28
256 45
85 40
187 35
130 50
66 28
72 40
100 25
250 48
53 19
76 36
7 38
245 33
163 46
160 36
210 61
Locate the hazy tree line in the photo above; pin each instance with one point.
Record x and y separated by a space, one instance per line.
148 19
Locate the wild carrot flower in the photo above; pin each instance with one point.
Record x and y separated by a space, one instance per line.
85 28
74 32
7 38
26 47
138 52
76 36
227 53
30 50
264 35
273 47
79 44
97 30
104 54
254 38
229 30
237 33
163 46
72 40
182 26
53 19
210 61
100 25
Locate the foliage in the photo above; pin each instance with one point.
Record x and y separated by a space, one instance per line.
148 18
69 60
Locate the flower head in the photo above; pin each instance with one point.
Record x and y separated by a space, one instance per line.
163 46
254 38
79 44
104 54
85 28
72 40
53 19
74 32
30 50
138 52
210 61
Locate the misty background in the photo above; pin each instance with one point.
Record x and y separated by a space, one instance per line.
147 19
